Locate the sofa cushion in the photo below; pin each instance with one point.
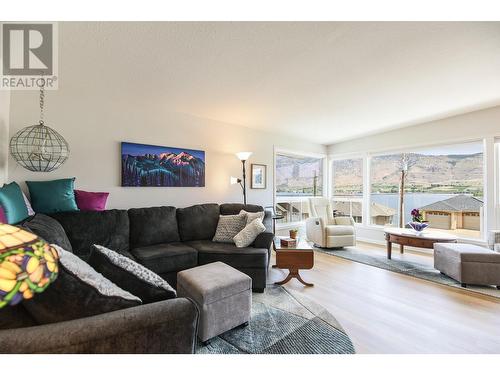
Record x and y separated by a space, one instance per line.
229 226
53 196
91 201
130 275
247 235
153 225
12 202
108 228
339 230
49 229
238 257
168 257
79 291
198 222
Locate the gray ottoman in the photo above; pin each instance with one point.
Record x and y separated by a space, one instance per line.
223 295
468 264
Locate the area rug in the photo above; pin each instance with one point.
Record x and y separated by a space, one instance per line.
414 269
283 323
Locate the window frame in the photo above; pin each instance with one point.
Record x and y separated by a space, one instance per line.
491 184
297 153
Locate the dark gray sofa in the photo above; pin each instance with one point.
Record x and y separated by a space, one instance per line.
163 327
164 239
168 239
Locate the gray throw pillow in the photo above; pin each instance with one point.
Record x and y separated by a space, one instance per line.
248 234
49 229
79 291
251 216
130 275
229 226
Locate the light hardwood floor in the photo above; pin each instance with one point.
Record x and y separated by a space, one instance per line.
386 312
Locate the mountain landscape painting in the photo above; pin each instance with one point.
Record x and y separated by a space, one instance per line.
147 165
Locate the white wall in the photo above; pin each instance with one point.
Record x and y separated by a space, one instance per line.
484 124
94 123
4 134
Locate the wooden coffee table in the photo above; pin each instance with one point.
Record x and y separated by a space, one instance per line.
409 237
300 257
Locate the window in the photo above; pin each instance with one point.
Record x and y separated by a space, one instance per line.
297 177
347 188
445 183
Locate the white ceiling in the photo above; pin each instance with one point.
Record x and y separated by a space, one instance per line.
324 81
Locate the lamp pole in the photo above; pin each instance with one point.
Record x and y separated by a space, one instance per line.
244 184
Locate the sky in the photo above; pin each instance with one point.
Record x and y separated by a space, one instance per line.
140 149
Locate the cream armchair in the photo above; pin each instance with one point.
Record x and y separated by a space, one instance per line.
327 231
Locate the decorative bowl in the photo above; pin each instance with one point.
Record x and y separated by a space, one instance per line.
418 227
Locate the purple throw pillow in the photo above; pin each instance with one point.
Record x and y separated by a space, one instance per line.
3 218
90 201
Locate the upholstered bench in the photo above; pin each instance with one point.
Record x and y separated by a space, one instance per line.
222 293
468 264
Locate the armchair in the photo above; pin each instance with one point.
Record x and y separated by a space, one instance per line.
328 231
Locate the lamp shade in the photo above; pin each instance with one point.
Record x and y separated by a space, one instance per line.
243 155
28 265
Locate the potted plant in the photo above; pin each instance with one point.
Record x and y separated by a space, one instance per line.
418 223
293 233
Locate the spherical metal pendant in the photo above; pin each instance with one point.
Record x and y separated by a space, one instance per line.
39 148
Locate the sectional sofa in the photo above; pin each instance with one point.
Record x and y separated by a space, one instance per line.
164 239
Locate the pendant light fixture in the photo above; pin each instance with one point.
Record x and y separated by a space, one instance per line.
39 148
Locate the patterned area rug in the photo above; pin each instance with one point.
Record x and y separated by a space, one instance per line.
407 268
283 323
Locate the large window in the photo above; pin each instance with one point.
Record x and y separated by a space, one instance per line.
445 183
347 188
297 177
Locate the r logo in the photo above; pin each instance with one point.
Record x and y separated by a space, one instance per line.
27 49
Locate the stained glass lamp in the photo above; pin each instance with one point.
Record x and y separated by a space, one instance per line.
28 265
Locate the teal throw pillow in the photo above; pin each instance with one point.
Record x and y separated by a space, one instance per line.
12 201
48 197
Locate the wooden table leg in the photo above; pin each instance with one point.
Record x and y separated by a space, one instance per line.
401 249
293 274
389 249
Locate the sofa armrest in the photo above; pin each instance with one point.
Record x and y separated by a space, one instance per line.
264 240
163 327
315 231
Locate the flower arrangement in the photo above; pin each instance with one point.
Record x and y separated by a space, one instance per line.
418 223
417 216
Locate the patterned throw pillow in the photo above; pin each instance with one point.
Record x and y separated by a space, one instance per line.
251 216
229 226
130 275
79 291
248 234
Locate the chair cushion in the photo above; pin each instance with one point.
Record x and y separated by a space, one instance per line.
152 226
198 222
467 252
339 230
130 275
213 282
108 228
238 257
53 196
168 257
49 229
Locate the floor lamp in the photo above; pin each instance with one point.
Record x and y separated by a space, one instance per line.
243 156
